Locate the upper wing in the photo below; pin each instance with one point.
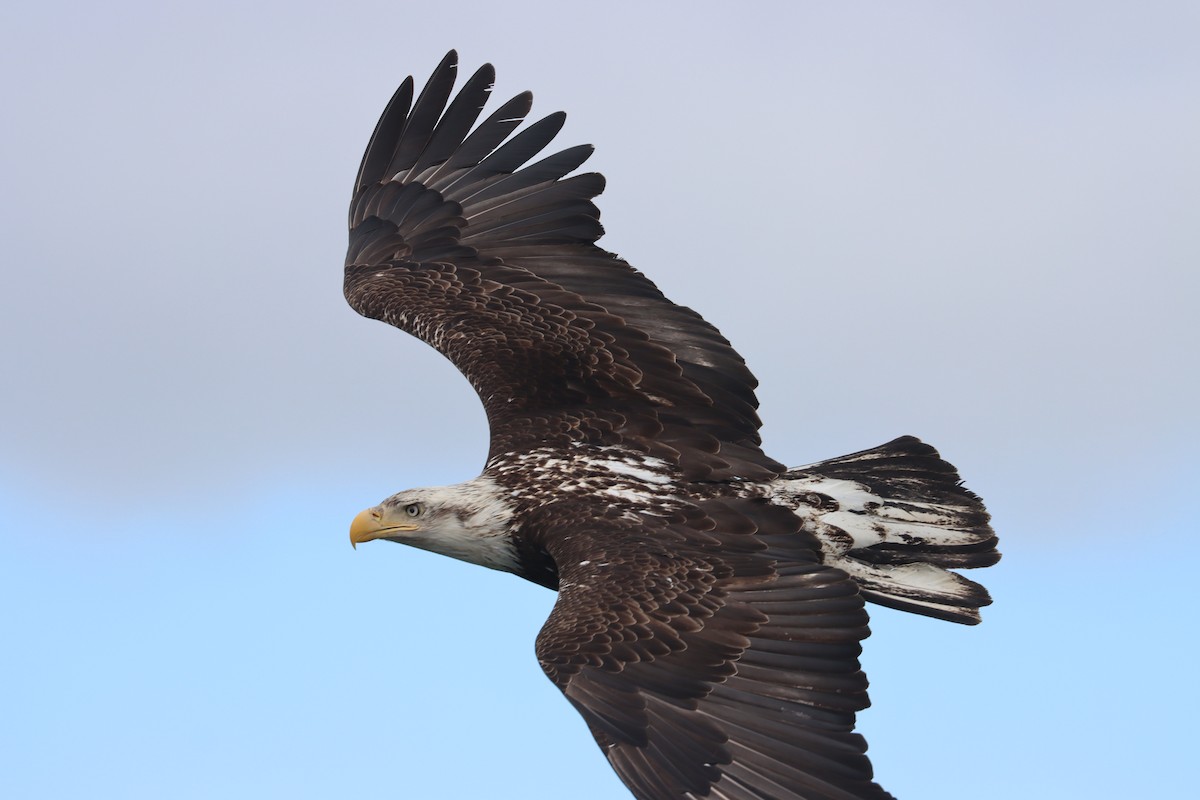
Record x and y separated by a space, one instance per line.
714 658
455 240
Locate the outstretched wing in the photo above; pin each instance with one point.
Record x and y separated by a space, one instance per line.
714 657
457 240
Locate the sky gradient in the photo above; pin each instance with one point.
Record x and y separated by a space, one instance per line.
974 224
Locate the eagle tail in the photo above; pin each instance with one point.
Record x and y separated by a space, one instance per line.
898 520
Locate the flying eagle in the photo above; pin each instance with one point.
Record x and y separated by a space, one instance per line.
710 606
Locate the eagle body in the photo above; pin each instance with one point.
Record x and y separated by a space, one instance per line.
711 602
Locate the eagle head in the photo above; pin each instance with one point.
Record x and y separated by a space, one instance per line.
469 521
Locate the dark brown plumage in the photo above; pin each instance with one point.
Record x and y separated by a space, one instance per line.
711 602
468 243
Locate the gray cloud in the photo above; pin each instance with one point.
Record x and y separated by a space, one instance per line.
973 226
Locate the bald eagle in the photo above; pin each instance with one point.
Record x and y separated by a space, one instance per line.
710 607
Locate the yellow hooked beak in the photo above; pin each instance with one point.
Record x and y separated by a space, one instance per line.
374 524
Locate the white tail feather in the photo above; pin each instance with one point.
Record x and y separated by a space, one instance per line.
896 519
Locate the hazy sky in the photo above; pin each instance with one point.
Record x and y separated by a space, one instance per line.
976 223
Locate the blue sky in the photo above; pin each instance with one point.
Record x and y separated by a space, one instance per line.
973 224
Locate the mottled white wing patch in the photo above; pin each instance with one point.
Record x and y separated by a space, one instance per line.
627 478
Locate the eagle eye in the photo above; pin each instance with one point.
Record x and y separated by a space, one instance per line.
413 510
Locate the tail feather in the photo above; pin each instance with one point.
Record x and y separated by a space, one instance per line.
897 519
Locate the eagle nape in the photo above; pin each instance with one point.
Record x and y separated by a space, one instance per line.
711 601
